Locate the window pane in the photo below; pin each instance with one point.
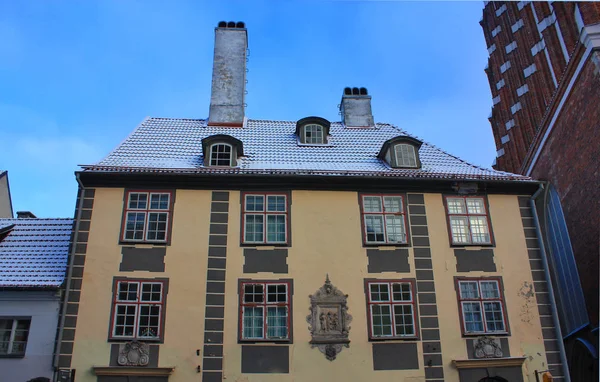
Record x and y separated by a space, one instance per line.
255 203
475 206
456 206
159 201
405 155
149 321
253 293
404 320
276 203
379 292
381 320
313 134
460 229
489 289
277 322
134 228
372 204
253 322
138 201
151 292
276 293
220 155
254 228
276 228
479 229
401 292
394 225
468 289
125 320
157 226
392 204
472 317
128 291
493 316
374 227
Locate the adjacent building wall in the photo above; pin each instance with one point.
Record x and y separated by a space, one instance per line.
43 308
326 239
5 202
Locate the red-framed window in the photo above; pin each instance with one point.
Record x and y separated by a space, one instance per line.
468 220
383 219
138 310
265 218
391 309
481 305
265 311
147 216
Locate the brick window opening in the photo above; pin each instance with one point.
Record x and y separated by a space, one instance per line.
265 219
147 217
13 336
138 310
391 309
468 220
384 219
481 305
265 311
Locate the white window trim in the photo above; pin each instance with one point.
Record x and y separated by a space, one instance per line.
516 107
496 100
500 84
504 67
528 71
496 30
510 124
499 153
491 48
323 137
505 139
210 157
501 10
510 47
516 26
522 90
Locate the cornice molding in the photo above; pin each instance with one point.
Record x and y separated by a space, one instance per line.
133 371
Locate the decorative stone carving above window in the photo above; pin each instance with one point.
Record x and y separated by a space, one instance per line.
329 320
134 353
313 131
401 152
487 347
221 150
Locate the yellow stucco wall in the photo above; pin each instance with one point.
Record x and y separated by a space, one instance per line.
326 238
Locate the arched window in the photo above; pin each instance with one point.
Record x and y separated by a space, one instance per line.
401 152
405 155
313 134
220 154
313 131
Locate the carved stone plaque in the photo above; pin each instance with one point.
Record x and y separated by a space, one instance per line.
329 320
487 347
134 353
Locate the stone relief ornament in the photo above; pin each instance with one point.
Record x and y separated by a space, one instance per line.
487 347
329 320
134 353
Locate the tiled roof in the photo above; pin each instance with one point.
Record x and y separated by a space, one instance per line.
34 253
271 147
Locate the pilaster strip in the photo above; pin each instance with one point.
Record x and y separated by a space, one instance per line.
80 237
428 312
541 291
212 355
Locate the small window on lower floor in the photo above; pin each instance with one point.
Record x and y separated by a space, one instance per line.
13 336
391 309
265 308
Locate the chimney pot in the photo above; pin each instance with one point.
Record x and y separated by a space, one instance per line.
231 24
356 108
222 24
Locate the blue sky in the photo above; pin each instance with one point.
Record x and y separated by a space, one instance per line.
76 77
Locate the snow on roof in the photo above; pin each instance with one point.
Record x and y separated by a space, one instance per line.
34 253
271 147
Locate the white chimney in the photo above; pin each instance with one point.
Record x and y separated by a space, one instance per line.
229 75
356 108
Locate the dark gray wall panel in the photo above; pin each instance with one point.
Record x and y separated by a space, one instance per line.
143 259
265 359
388 261
260 260
400 356
477 260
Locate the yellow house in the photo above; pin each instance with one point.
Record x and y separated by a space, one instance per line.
256 250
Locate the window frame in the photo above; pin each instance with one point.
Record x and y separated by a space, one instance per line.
304 138
391 303
147 212
265 213
15 320
363 215
481 300
264 305
231 153
491 243
414 153
115 301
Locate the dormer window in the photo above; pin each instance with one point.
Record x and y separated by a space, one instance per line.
221 151
220 154
312 131
401 152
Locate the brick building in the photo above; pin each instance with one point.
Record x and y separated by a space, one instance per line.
544 74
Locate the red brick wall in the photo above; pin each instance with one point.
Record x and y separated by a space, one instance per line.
570 159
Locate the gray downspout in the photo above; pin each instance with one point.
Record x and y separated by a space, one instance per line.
68 282
561 345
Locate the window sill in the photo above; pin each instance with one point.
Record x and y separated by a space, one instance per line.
488 334
149 340
12 355
386 245
145 243
473 246
386 339
267 341
265 245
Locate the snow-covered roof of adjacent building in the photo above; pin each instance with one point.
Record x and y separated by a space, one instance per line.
33 252
169 145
